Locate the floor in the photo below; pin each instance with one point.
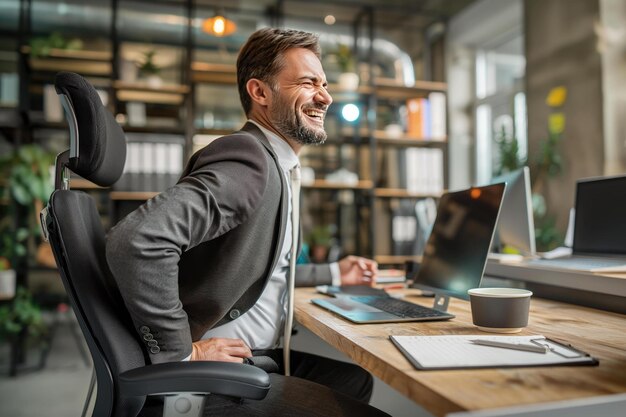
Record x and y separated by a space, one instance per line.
60 388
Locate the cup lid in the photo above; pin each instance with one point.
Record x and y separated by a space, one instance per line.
500 292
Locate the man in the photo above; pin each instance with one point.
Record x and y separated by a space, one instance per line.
203 266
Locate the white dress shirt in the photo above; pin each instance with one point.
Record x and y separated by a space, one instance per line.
262 325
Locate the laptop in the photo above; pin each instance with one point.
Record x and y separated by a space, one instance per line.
453 262
599 241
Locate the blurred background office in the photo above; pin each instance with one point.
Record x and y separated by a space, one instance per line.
429 95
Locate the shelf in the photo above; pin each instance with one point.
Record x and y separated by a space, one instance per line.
340 95
203 72
325 185
132 195
142 92
389 89
80 54
384 139
347 140
214 132
401 193
396 259
83 62
170 130
152 97
42 124
145 87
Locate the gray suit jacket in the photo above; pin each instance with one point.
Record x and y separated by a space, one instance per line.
200 253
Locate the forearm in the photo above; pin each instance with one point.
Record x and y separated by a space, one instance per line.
310 275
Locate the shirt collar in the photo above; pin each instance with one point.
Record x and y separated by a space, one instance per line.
287 158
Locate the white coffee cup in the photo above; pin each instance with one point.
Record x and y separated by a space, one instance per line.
500 310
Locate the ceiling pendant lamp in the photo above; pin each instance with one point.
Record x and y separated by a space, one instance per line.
219 26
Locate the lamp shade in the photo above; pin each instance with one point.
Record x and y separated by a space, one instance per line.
219 26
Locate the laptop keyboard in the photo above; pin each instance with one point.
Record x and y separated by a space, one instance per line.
400 308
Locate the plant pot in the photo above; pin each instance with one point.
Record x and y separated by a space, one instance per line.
348 81
319 253
154 81
7 284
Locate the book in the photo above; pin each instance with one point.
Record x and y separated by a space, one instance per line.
415 117
455 351
437 115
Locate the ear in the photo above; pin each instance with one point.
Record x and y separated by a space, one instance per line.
259 91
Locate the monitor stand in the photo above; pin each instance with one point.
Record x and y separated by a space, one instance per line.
441 302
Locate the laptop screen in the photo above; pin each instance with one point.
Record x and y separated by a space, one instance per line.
456 252
599 225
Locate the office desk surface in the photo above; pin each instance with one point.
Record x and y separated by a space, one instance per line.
601 334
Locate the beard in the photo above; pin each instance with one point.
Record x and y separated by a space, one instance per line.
291 124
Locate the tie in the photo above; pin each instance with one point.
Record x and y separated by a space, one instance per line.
295 229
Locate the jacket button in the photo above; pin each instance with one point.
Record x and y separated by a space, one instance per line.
155 349
148 336
152 343
144 329
234 313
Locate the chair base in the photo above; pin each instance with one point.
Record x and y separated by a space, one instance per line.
184 405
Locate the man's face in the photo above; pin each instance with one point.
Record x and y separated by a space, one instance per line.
300 98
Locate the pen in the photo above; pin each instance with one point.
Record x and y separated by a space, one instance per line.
516 346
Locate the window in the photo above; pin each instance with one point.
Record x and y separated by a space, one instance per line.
500 103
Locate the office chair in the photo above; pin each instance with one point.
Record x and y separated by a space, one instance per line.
72 225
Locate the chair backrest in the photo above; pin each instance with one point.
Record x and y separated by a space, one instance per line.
97 153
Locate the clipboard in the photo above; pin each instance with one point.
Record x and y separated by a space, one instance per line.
459 352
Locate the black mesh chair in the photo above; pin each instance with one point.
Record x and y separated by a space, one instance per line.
72 224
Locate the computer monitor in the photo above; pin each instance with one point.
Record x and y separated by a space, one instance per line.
516 226
599 226
456 252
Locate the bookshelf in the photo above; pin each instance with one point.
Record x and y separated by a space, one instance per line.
197 101
390 166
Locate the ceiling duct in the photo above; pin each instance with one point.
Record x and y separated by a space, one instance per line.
161 26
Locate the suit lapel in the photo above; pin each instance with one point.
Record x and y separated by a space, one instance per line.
252 129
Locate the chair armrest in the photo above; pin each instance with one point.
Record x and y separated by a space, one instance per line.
224 378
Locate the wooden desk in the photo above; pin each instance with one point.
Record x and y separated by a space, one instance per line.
599 333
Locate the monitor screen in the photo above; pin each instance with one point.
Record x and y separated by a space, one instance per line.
599 226
456 252
516 226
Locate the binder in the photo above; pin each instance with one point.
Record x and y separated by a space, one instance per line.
459 352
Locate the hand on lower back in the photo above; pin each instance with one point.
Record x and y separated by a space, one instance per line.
220 349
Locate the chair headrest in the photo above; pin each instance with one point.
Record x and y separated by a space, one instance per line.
101 141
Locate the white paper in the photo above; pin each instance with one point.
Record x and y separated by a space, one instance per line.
442 352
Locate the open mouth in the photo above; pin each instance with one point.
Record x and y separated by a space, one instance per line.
314 114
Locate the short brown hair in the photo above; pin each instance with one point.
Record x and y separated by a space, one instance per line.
261 57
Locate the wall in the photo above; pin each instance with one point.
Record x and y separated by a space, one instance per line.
612 45
561 50
475 26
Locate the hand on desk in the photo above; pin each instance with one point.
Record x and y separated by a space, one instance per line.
220 349
355 270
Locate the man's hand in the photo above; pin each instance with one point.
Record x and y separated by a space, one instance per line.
355 270
220 349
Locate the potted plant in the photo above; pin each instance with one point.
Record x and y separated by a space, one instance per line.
12 248
21 317
25 182
348 79
149 71
320 240
44 46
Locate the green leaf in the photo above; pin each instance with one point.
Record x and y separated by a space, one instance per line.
21 234
20 250
21 195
